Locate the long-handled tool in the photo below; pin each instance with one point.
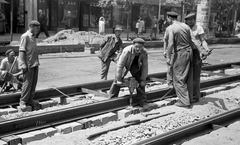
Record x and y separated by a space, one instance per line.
132 84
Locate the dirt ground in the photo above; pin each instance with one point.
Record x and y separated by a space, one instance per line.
63 69
208 106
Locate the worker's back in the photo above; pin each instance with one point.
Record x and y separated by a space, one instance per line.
181 34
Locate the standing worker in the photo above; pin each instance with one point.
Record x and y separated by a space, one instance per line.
29 62
108 48
199 34
134 58
43 23
179 56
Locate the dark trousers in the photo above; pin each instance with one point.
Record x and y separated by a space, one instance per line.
153 31
197 66
182 75
30 79
114 90
105 68
43 28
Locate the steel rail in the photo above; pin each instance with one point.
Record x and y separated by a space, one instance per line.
187 132
57 117
11 99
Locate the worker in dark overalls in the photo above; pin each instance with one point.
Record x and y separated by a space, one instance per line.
199 34
179 56
134 58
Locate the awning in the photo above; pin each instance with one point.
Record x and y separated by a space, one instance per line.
4 2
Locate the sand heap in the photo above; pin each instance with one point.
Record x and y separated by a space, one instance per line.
66 37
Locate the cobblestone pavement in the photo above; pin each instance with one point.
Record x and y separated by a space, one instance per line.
62 69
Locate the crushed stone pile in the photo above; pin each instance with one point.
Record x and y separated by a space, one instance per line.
70 37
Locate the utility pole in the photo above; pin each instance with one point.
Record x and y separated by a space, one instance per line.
159 9
235 9
182 3
11 22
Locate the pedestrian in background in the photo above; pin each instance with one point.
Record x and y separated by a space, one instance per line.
160 24
2 23
101 25
141 26
110 50
199 34
68 20
180 42
154 28
43 24
136 27
134 59
237 29
29 62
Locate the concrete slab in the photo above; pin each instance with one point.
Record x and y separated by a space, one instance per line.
50 131
64 129
26 138
38 135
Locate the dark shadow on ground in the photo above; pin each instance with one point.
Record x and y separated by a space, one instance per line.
219 103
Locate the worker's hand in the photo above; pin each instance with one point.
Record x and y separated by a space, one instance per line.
165 54
119 83
168 61
24 68
209 51
143 83
203 55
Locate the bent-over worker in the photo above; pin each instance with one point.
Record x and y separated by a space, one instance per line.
10 64
134 58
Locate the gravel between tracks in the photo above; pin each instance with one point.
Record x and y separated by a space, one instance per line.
208 106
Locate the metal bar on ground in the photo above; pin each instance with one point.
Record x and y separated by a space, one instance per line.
213 74
94 92
57 117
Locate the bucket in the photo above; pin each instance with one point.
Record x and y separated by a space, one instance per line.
7 77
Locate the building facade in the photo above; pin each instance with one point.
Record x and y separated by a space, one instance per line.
84 15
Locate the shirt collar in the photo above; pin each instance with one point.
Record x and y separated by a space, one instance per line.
30 33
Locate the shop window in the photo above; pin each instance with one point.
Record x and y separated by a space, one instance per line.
95 14
68 13
92 12
86 15
20 13
43 5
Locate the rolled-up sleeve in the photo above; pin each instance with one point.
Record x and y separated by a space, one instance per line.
23 43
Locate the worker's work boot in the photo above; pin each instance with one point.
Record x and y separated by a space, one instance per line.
22 105
35 105
180 104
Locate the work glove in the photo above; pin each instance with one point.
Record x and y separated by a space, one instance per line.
143 83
